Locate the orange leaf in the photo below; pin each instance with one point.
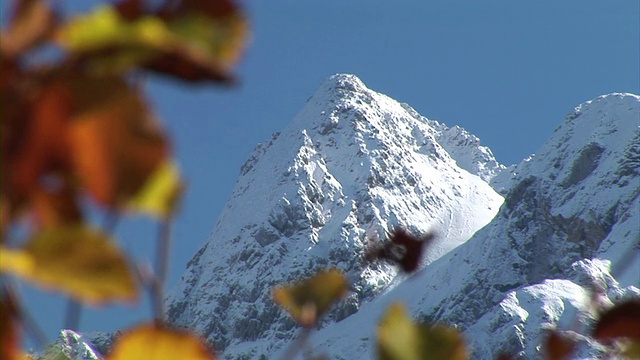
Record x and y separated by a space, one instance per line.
157 343
41 145
77 260
116 144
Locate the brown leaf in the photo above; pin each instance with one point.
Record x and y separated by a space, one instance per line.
152 342
57 205
32 22
9 336
621 321
41 146
558 346
403 249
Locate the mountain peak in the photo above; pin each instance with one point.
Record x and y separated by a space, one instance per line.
346 82
353 164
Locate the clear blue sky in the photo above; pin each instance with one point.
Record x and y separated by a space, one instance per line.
507 71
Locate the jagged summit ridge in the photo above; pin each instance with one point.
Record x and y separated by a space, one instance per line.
353 163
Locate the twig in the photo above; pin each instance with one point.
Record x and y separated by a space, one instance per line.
74 309
297 345
73 315
31 326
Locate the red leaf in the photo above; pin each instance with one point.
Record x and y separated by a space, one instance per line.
558 346
621 321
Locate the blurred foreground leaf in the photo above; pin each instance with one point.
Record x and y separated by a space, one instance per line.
558 346
32 21
9 337
180 40
620 322
403 249
77 260
161 193
115 140
399 338
151 342
309 299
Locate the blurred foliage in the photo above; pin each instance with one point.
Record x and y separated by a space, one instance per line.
78 137
76 129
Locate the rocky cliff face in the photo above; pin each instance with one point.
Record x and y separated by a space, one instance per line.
352 165
571 211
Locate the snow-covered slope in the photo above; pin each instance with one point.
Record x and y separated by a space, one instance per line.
352 165
571 211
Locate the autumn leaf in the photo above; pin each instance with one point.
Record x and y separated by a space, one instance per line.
31 23
115 142
630 349
152 342
399 338
181 42
558 346
309 299
9 337
620 322
403 249
57 205
37 145
77 260
160 194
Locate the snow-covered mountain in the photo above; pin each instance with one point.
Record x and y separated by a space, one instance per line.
351 166
354 163
571 211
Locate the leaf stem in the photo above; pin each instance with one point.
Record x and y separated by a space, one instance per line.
30 324
73 315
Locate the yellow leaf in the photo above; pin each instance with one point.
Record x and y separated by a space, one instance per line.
399 338
150 342
307 300
189 45
77 260
161 192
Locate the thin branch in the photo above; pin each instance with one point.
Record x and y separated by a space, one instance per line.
297 345
31 326
73 315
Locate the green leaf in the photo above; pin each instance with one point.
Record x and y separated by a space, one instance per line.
399 338
309 299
